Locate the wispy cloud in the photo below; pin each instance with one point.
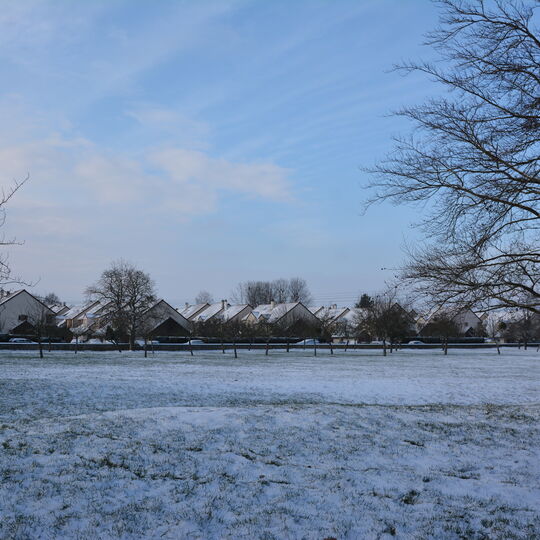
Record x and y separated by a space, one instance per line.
76 171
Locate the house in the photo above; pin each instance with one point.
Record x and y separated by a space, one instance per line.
345 325
236 313
467 322
163 320
289 315
59 309
189 312
74 315
316 309
93 319
331 314
211 312
21 311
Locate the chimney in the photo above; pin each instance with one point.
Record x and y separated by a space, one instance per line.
272 304
224 304
334 306
187 305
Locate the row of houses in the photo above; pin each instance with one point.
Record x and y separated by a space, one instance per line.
21 312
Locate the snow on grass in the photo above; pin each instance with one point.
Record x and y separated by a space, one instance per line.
354 445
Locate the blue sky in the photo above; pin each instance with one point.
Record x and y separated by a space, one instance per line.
207 142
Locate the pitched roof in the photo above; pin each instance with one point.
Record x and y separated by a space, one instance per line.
332 313
169 313
232 311
78 310
209 312
10 295
191 311
273 312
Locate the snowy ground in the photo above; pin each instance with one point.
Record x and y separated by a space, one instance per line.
414 445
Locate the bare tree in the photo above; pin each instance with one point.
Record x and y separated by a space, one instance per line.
299 291
442 325
475 157
257 292
364 301
204 297
523 328
129 293
6 277
41 319
50 299
385 319
280 288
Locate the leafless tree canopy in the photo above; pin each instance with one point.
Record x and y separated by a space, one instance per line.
280 290
6 276
204 297
50 299
129 293
384 318
474 156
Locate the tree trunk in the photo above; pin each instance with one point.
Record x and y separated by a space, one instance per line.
40 343
266 354
331 348
145 348
234 345
384 347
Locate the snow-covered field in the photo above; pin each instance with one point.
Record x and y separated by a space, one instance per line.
354 445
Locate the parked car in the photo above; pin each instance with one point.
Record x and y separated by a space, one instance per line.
309 342
140 342
195 342
416 342
21 340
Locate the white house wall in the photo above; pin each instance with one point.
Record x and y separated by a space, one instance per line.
22 303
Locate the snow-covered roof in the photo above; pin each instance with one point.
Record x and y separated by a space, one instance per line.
98 309
352 315
273 312
191 311
77 310
161 310
332 313
59 309
211 311
233 311
8 295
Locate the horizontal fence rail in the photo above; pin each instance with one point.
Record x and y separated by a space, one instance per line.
243 346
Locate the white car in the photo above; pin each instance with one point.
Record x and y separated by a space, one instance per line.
195 342
415 342
140 342
308 342
21 340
